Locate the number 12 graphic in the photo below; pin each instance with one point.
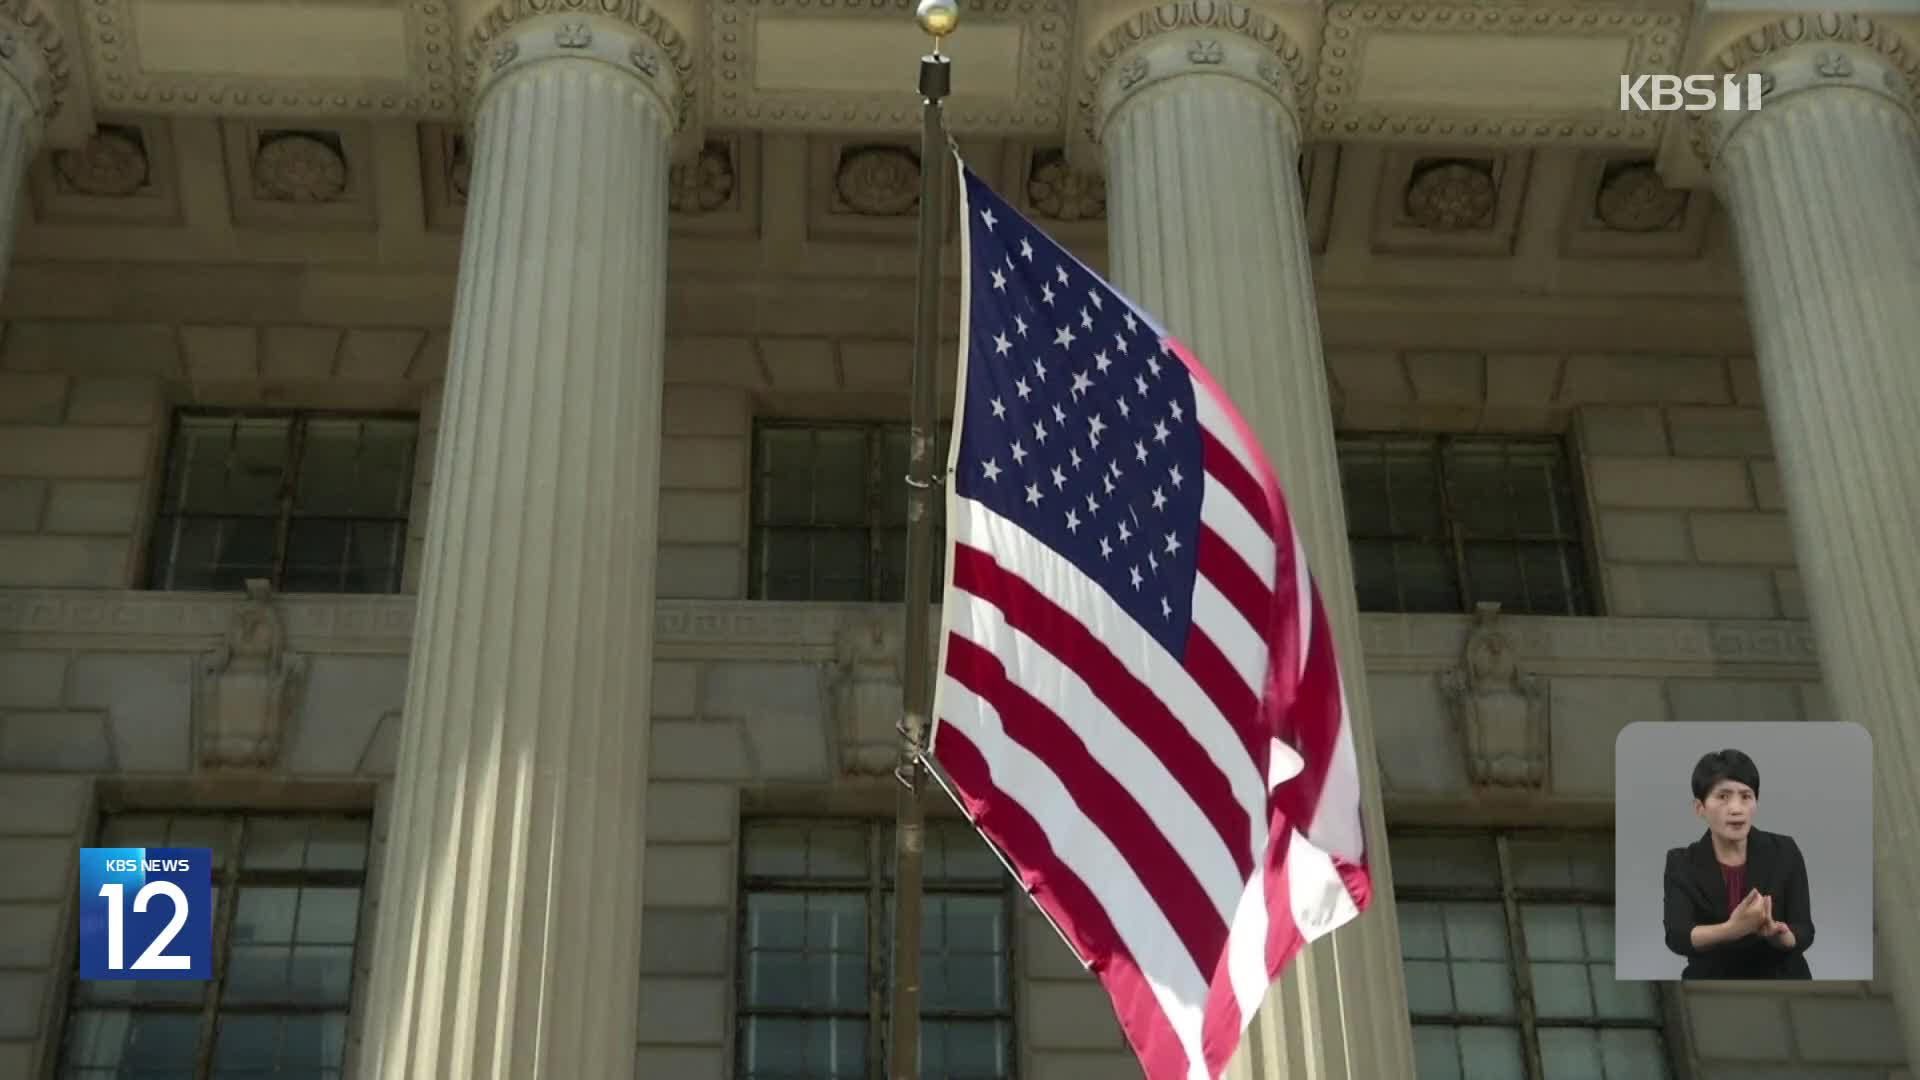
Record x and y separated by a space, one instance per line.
170 923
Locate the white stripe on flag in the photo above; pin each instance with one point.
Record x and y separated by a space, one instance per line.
1222 512
1146 934
1244 648
1113 746
1054 577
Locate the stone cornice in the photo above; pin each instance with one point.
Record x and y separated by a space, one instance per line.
747 629
34 53
1800 53
1204 36
496 44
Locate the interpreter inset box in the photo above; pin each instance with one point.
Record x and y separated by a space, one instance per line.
1743 851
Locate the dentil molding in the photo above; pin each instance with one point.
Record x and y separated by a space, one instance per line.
728 629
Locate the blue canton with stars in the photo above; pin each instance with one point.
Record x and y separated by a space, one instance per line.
1078 426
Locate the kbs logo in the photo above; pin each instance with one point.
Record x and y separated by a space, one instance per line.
1693 93
153 906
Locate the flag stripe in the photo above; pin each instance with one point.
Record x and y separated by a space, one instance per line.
1144 685
1069 709
1224 687
1224 466
1080 881
1107 804
1237 584
1224 515
1245 651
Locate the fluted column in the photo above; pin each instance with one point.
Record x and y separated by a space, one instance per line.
29 61
1195 112
508 933
1823 186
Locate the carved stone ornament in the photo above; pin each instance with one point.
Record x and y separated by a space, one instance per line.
1634 199
299 169
703 184
1058 192
573 36
1206 52
867 693
250 688
1502 713
1451 195
879 181
34 49
113 165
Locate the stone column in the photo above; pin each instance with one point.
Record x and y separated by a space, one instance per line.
1195 111
1823 186
508 932
30 58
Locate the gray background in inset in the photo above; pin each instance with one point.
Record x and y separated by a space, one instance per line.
1816 785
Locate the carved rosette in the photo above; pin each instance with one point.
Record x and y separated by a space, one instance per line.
1452 195
249 688
703 184
1803 53
1194 36
1634 199
34 55
879 181
113 164
627 34
1502 713
1058 191
299 169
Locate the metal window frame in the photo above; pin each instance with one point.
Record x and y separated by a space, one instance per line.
872 522
228 881
157 577
1573 540
1512 898
875 886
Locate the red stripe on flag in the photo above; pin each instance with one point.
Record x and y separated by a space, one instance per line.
1220 464
1106 802
1131 701
1220 563
1311 724
1221 682
1067 901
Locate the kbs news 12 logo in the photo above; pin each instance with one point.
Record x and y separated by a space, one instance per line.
1692 93
146 913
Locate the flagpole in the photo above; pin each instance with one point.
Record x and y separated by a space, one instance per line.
937 18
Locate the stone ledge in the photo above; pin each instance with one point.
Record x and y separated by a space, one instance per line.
94 619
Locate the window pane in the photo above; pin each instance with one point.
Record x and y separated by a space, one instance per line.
255 1044
228 465
116 1039
963 953
275 844
840 570
780 1048
784 487
805 951
1561 862
1413 486
1373 580
964 1049
1363 483
1477 486
1468 1053
840 476
1571 1053
337 845
355 468
1634 1054
1493 573
1427 578
820 851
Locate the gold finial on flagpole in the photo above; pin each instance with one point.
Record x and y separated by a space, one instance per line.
938 18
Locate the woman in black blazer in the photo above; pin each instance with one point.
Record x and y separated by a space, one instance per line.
1736 899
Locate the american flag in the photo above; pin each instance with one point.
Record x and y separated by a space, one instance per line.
1138 700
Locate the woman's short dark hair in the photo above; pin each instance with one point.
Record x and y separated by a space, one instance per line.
1724 765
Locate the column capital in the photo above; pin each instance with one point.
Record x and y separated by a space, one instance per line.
1799 55
33 56
626 35
1191 37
